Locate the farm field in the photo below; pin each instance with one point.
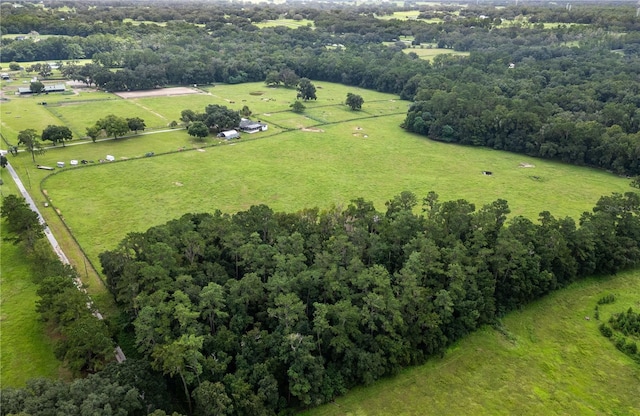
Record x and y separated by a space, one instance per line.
548 360
290 23
327 155
428 53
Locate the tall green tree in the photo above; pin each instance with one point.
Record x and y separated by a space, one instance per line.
297 107
93 132
306 90
21 221
87 345
57 134
354 101
113 125
198 129
36 87
135 124
182 357
30 140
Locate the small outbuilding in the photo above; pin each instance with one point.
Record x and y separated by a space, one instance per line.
250 126
73 162
110 158
60 164
47 89
229 134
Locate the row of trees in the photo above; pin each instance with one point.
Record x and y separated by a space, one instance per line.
555 100
130 388
115 126
111 125
475 114
84 342
294 309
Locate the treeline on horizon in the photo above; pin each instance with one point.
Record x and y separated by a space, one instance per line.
570 93
261 311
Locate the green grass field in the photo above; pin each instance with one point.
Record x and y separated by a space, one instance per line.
290 23
327 155
427 52
299 169
550 361
25 349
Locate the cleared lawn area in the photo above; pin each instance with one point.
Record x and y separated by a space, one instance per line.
551 361
329 162
26 112
82 115
427 52
23 113
290 23
25 349
262 99
298 169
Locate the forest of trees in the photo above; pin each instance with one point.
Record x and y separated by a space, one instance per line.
262 310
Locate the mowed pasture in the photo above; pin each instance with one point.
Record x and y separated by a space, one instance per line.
547 360
290 23
428 52
326 156
79 116
319 162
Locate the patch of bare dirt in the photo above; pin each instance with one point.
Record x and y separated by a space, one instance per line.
526 165
160 92
312 130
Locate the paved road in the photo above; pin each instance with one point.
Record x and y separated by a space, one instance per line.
120 357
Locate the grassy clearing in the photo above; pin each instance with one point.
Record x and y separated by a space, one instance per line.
15 36
370 157
25 349
24 113
404 15
143 22
410 15
82 115
551 361
338 155
427 52
290 23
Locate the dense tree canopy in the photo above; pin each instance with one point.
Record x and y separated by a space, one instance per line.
113 125
259 311
57 134
306 90
135 124
525 87
198 129
354 101
31 141
20 220
293 309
